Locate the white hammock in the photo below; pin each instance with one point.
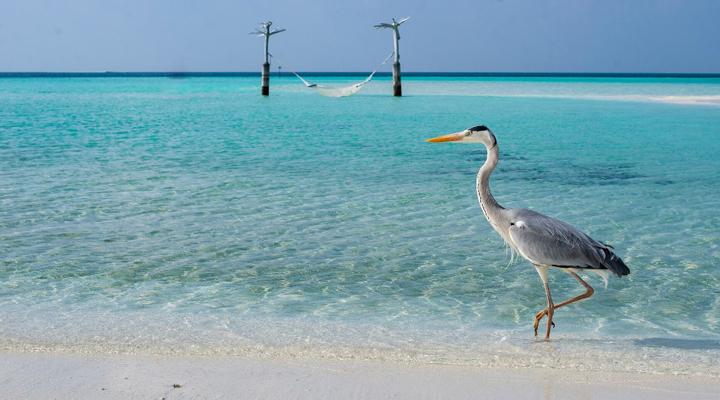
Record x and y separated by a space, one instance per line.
335 91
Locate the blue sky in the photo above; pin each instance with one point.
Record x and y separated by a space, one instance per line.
666 36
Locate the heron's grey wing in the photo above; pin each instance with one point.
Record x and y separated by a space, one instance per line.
547 241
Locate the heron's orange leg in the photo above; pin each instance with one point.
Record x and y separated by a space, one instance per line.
550 311
589 292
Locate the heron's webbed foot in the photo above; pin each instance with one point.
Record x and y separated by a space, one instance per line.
539 317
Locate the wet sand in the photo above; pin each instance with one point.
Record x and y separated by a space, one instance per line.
63 376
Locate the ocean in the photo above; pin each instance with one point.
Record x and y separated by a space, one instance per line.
190 215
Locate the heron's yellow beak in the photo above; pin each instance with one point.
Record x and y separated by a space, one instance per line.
453 137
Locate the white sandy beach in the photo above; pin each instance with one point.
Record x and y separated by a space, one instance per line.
76 376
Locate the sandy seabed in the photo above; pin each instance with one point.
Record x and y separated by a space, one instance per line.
697 100
78 376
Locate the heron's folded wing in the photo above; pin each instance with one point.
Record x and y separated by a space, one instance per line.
547 241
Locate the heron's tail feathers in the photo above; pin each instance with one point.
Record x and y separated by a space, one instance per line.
614 263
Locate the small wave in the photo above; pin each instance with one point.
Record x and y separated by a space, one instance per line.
293 339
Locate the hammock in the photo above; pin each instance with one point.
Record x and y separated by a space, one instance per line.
335 91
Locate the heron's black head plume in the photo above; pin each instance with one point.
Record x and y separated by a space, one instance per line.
479 128
483 128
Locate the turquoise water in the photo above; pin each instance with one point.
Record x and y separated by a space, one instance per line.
193 213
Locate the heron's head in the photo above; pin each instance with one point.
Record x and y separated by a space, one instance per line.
478 134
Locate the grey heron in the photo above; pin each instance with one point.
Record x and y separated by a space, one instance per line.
544 241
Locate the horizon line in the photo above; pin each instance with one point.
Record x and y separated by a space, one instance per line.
19 74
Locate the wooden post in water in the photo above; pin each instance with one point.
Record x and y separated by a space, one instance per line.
265 32
397 83
266 79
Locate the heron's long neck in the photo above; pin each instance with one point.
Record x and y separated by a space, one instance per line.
490 207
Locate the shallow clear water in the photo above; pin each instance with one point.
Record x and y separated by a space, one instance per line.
194 212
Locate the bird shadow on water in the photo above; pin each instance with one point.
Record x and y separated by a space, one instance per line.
685 344
682 344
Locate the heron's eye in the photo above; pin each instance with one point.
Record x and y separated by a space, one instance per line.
468 133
